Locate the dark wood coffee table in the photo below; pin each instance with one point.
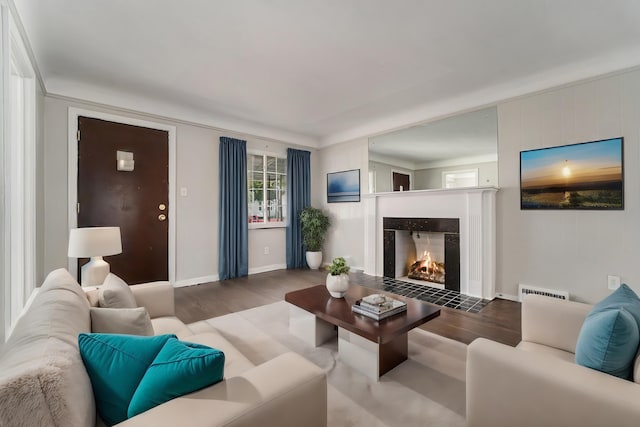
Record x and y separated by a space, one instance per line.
369 346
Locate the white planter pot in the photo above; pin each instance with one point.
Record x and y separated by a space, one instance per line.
314 259
337 285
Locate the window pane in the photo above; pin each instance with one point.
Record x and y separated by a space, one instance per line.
258 196
273 182
274 204
283 196
460 179
266 195
271 164
254 189
278 186
255 163
255 180
256 213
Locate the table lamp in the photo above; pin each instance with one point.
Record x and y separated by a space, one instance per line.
94 243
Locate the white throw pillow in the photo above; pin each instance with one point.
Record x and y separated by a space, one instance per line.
130 321
115 293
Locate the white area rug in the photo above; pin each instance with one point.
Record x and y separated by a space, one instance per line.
426 390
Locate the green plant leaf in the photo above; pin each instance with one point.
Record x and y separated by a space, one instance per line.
338 266
314 225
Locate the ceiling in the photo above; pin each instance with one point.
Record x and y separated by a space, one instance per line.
322 71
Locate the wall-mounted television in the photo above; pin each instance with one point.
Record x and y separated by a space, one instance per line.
588 175
343 186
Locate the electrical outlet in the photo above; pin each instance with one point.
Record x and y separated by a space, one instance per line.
613 282
266 250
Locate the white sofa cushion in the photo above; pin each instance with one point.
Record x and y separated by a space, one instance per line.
171 325
51 391
43 351
552 322
285 391
42 378
115 293
130 321
156 297
235 362
543 349
93 296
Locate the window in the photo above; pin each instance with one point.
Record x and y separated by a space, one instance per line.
460 179
17 161
266 190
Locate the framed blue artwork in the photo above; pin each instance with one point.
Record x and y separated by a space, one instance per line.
343 186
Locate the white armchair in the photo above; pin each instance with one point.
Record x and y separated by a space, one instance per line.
538 384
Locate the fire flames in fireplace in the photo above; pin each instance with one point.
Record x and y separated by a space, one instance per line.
427 269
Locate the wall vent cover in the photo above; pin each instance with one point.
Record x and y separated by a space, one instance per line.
526 290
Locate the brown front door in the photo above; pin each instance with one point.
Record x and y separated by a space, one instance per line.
136 201
400 180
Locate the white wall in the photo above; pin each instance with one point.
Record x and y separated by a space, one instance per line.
346 234
572 251
197 213
565 250
569 250
432 178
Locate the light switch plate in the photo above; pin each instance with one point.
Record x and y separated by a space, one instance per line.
613 282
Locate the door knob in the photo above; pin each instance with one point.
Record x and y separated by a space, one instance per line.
162 206
162 217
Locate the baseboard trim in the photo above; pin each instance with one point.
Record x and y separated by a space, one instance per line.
215 277
507 296
267 268
196 281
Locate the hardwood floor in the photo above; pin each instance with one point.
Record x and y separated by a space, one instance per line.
498 321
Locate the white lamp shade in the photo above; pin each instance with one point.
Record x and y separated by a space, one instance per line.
94 241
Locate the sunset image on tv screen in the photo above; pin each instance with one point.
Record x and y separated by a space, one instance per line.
579 176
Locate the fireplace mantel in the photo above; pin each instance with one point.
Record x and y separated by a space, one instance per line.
475 207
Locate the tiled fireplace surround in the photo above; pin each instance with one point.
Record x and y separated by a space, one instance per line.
474 207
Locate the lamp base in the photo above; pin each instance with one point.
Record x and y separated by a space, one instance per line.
94 272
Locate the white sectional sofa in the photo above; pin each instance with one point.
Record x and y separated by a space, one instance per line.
538 383
43 381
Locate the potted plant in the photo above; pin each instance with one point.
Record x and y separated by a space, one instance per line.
314 224
338 277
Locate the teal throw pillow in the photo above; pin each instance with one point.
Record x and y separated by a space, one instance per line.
116 364
178 369
608 342
623 297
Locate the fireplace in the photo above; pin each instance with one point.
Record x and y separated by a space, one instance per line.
475 211
427 263
424 250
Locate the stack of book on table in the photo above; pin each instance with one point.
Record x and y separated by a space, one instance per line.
378 306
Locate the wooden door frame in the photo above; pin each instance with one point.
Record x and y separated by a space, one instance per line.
74 113
410 175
